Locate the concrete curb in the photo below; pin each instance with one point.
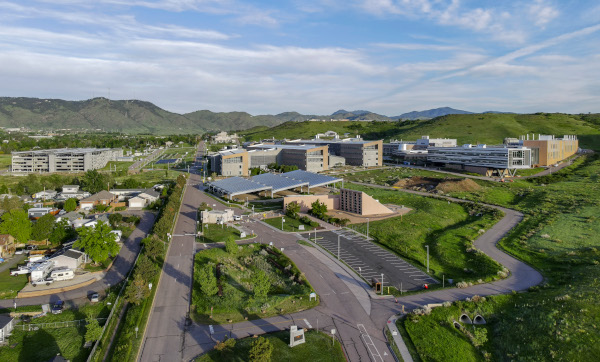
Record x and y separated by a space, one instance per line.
404 353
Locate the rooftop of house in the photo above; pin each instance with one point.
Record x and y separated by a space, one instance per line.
102 195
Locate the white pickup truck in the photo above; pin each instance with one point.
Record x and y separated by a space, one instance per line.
46 281
19 271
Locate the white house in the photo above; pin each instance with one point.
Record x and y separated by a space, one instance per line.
71 259
45 195
70 189
7 323
137 202
94 222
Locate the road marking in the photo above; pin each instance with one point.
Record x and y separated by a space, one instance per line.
308 324
333 291
321 276
369 343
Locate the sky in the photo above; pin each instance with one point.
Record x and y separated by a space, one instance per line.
309 56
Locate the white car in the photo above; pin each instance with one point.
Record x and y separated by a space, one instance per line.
237 217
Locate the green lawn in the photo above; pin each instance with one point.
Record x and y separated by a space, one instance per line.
317 348
266 206
153 177
120 165
448 228
389 176
287 294
214 233
45 343
11 285
289 224
557 320
5 161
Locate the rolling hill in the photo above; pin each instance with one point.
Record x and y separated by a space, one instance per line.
489 128
431 113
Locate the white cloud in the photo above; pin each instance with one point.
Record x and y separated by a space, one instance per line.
542 13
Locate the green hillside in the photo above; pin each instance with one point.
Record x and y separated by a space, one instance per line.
467 128
227 121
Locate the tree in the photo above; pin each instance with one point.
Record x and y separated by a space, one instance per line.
145 268
42 228
318 209
94 181
16 223
93 331
292 210
261 350
154 246
98 241
131 183
181 180
208 280
11 203
261 283
61 233
114 219
70 205
230 246
137 291
228 343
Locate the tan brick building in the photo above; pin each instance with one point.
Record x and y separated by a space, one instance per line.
356 202
547 150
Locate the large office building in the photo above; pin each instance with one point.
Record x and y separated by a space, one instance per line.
356 151
238 162
481 159
230 162
63 160
414 150
547 150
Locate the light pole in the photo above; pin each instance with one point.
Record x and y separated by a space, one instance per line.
282 220
427 246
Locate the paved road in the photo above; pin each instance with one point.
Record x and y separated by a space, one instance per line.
118 271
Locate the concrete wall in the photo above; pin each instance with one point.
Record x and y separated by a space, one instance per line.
331 201
360 203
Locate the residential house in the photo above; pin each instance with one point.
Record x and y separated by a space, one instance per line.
72 191
7 323
136 202
7 245
101 198
45 195
70 188
94 221
73 217
71 259
124 194
37 212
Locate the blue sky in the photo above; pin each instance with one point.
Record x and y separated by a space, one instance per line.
310 56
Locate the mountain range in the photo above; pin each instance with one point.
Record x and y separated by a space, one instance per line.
135 116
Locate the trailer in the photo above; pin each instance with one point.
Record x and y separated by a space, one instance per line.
41 270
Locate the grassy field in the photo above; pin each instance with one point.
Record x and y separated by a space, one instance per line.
557 320
287 294
10 286
5 162
288 225
265 206
466 128
317 348
117 165
448 228
216 234
45 343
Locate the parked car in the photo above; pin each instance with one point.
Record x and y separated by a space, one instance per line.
19 251
57 308
46 281
94 297
21 270
31 247
237 217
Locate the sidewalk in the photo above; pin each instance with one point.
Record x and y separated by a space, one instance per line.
391 324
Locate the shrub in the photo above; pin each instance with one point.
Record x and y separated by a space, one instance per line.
261 350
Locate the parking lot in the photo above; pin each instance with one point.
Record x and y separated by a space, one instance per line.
370 260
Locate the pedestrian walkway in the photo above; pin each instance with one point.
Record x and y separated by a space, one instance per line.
391 324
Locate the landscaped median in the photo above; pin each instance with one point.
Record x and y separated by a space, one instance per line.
318 347
246 282
291 224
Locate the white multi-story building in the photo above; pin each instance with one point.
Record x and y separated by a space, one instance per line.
63 160
481 159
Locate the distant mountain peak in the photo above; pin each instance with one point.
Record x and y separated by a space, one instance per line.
431 113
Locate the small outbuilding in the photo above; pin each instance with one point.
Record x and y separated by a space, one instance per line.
7 323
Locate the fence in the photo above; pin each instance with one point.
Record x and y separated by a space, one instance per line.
35 326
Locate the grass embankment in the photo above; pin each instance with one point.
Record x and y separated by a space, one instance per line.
557 320
288 293
448 228
289 224
10 285
117 166
317 348
266 206
389 176
5 161
46 342
214 233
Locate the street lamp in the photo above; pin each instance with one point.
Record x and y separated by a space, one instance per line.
427 246
282 221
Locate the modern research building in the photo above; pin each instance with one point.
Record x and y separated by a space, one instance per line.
63 160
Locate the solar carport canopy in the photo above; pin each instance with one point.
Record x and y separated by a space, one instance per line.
236 186
278 182
313 179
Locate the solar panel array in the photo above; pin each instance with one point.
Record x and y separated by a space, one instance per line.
274 182
278 182
313 179
238 185
166 160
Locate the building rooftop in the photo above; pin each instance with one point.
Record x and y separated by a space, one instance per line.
61 150
102 195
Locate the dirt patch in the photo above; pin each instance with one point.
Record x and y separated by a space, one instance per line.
466 185
419 183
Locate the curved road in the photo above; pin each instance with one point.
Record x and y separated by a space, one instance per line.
345 305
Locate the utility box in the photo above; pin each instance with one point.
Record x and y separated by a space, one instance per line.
376 284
